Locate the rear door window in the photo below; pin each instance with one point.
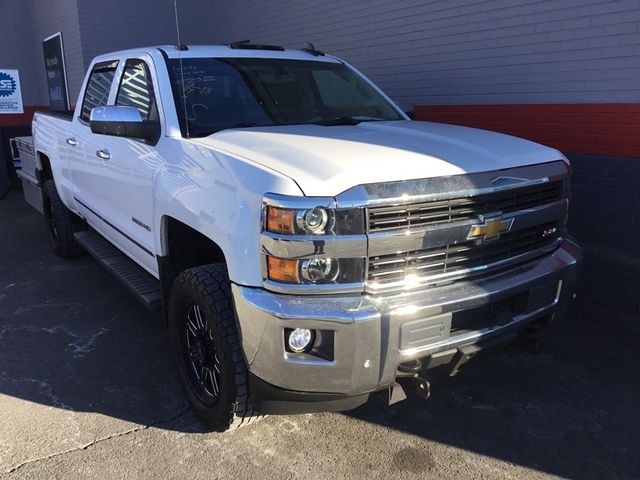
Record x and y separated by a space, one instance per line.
98 87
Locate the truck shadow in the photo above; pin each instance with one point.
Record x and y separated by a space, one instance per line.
570 410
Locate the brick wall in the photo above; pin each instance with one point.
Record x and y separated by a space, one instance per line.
462 51
136 24
565 73
593 128
605 218
17 52
454 52
420 52
605 209
89 28
48 18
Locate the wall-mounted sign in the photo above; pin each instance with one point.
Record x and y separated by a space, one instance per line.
56 72
10 93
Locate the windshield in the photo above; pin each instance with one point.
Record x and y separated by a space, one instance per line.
225 93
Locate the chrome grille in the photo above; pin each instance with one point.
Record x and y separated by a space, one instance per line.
431 262
462 209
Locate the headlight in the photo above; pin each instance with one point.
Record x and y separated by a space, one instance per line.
311 221
311 245
318 270
316 220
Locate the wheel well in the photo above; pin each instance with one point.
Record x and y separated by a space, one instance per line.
45 171
184 248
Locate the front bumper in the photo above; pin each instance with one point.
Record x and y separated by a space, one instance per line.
365 338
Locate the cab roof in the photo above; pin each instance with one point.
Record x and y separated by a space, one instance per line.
227 51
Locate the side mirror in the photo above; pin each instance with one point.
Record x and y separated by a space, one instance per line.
121 121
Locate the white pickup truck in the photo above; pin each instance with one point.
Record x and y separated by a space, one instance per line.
308 243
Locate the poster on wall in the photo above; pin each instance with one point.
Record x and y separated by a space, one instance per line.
56 72
10 92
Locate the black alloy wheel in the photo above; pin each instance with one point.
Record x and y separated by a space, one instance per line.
200 351
206 344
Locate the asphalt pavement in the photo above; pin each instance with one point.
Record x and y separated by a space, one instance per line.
88 390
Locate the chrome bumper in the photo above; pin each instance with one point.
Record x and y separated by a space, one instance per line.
366 337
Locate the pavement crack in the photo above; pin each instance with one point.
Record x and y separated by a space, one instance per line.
100 440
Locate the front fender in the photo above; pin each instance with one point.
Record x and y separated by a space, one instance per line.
220 196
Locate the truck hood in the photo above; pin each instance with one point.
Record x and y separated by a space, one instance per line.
327 160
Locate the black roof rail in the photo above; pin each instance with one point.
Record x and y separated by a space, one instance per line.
181 47
247 45
309 48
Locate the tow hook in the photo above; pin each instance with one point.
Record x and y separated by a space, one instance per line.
423 387
408 372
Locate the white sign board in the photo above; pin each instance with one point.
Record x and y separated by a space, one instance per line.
10 93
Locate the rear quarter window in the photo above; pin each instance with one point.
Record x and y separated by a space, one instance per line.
98 87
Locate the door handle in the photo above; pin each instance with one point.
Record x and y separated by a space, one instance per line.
103 154
72 141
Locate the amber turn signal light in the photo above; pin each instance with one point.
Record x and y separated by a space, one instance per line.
280 220
282 270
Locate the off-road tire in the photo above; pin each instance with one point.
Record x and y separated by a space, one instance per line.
61 223
209 288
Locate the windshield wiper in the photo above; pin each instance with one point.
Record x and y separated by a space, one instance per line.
245 125
355 120
236 125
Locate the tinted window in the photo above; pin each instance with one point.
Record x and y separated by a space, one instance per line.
222 93
336 89
136 88
98 86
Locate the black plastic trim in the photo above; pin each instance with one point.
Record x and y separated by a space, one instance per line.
114 227
175 92
166 276
66 115
244 45
271 400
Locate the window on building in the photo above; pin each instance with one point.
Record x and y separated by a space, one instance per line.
98 87
136 89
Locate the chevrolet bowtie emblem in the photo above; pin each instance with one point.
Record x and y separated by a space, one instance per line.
490 229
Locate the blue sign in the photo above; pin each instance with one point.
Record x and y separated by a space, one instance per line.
7 85
10 94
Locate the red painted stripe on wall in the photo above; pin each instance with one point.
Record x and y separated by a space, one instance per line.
20 119
592 128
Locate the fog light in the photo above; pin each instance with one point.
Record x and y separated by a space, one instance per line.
300 339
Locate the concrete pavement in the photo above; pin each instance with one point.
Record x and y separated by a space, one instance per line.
87 390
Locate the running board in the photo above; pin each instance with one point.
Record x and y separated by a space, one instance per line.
131 275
